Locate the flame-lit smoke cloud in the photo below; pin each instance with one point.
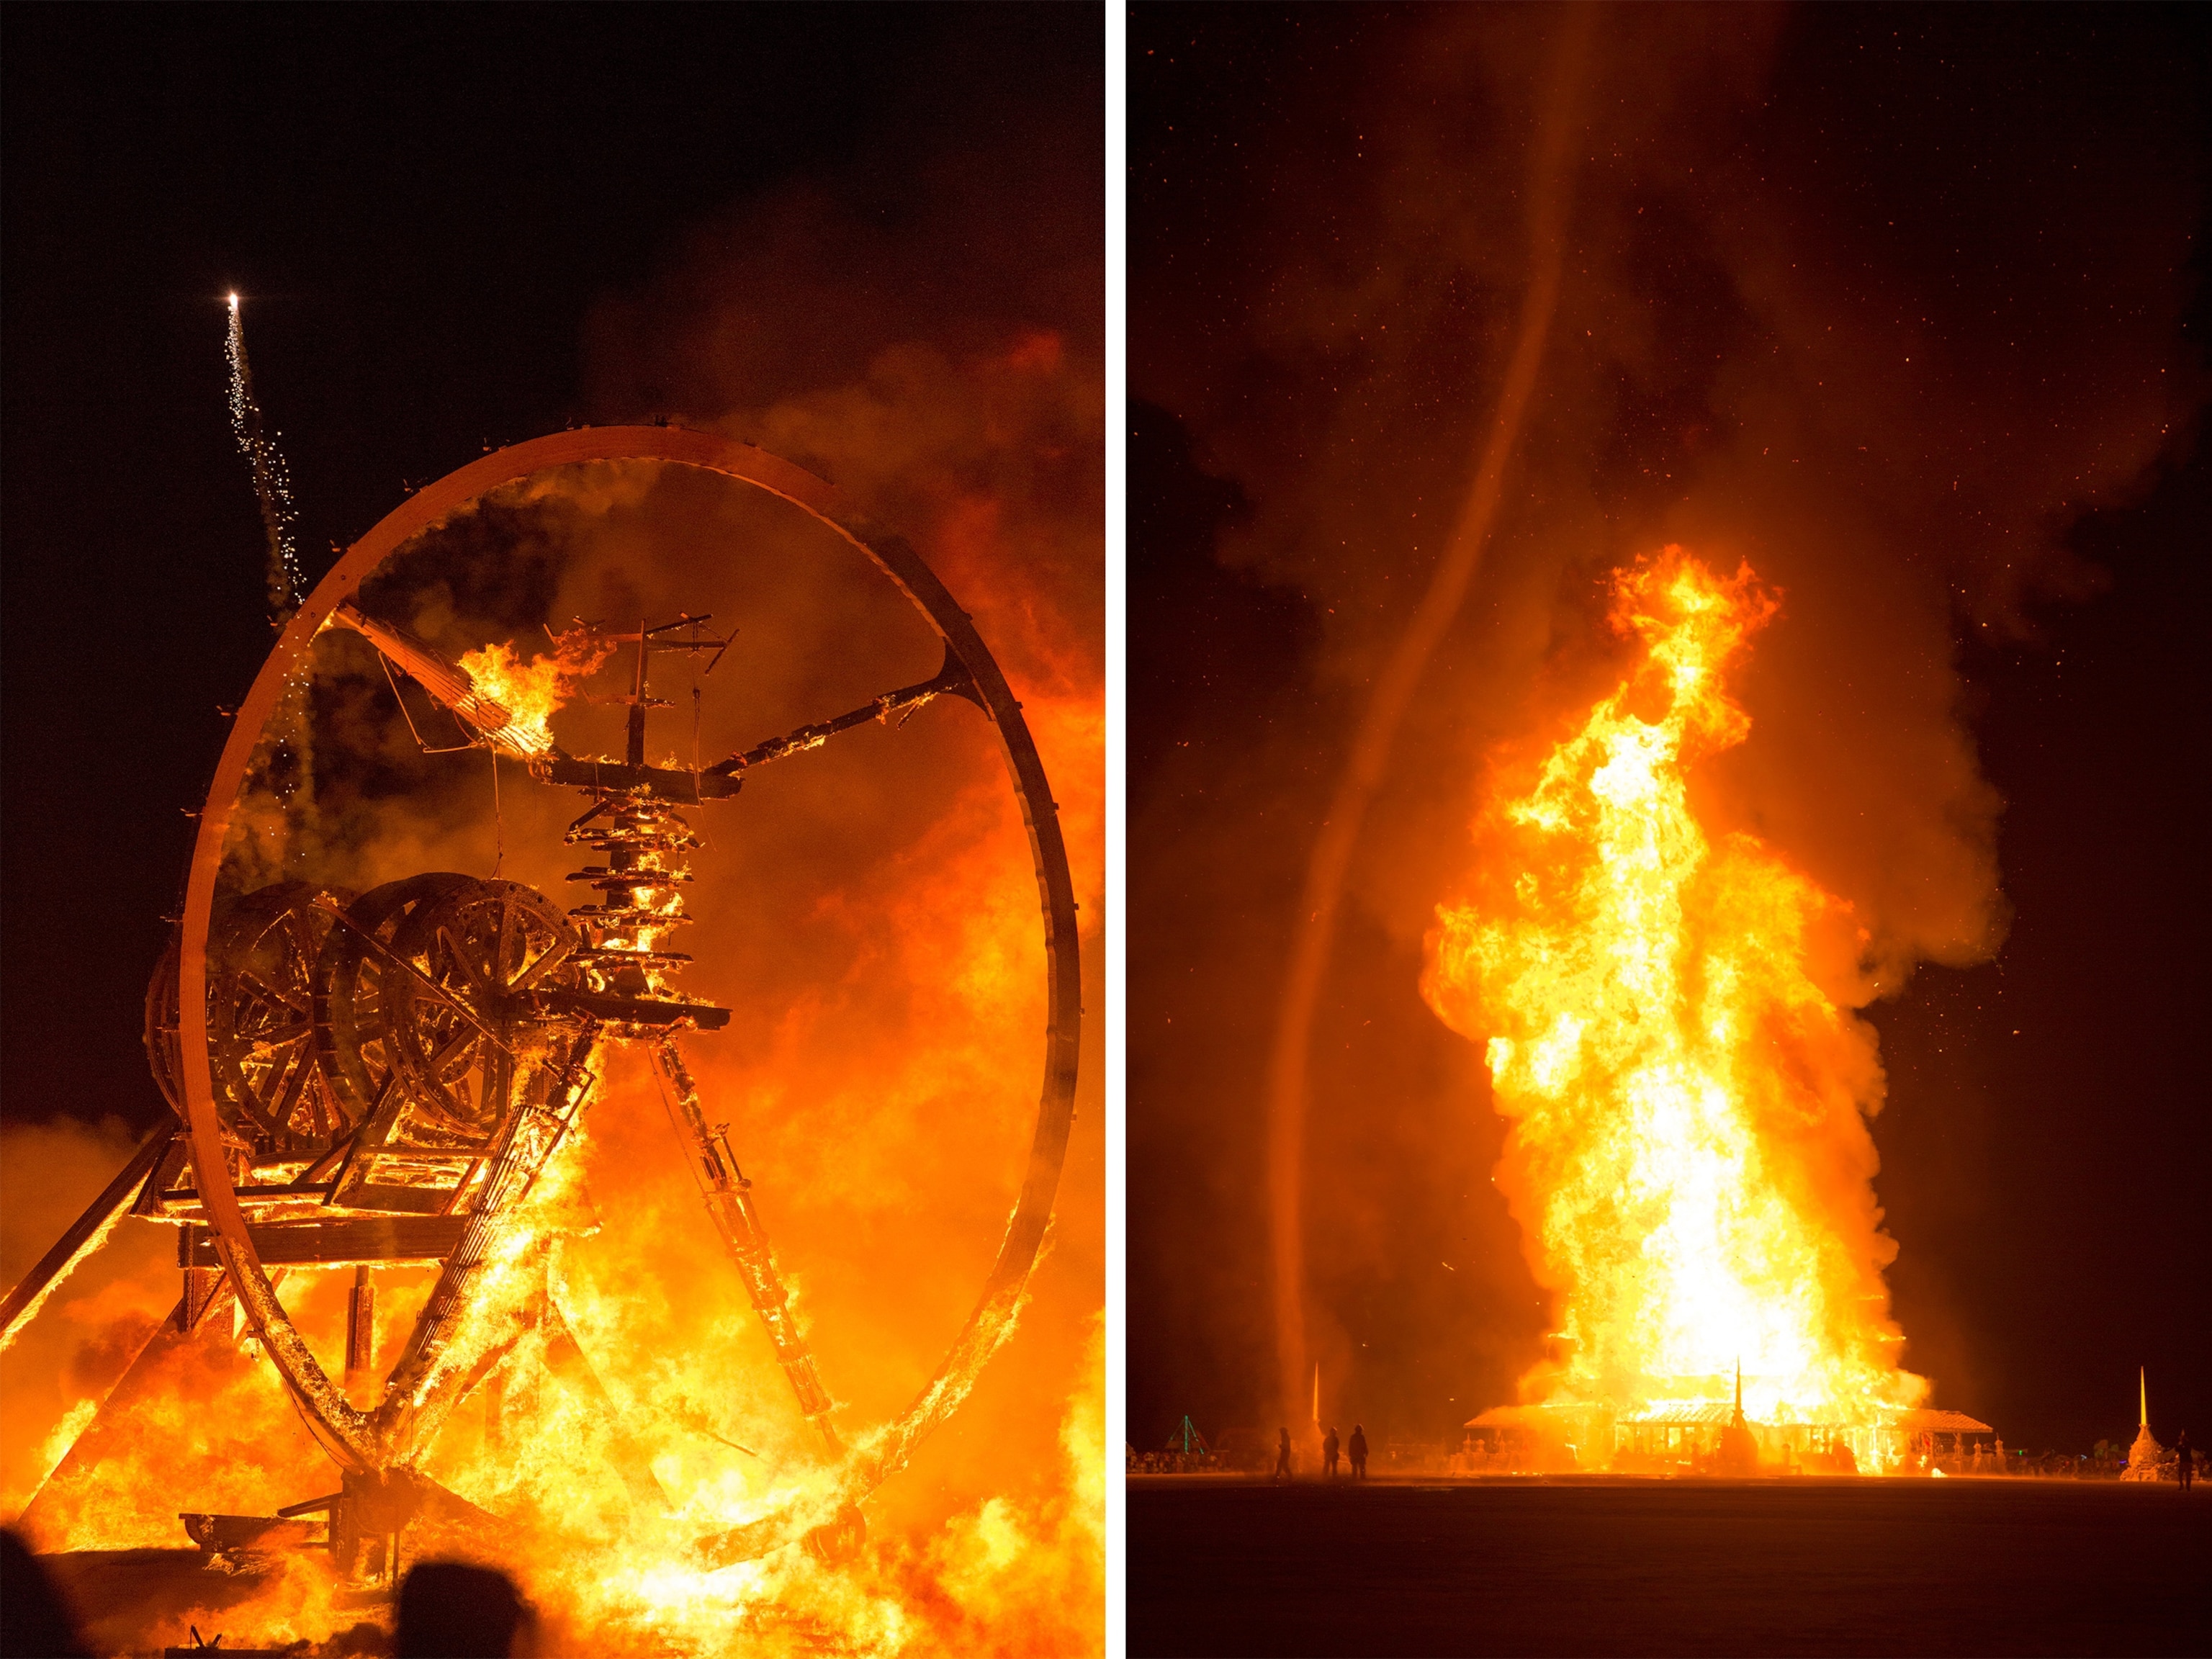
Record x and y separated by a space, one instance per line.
1885 346
869 910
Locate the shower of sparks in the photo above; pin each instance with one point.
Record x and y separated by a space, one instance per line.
272 483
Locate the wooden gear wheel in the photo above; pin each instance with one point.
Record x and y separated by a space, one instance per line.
271 1089
352 1021
473 945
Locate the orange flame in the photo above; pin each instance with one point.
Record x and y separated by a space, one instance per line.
532 692
1688 1156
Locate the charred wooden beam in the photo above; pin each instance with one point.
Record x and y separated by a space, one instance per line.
168 1169
618 777
629 1011
952 679
84 1235
205 1290
449 683
214 1534
730 1202
567 1359
395 1199
169 1190
347 1243
360 1327
413 1407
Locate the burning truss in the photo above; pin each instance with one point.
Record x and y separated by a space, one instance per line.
382 1077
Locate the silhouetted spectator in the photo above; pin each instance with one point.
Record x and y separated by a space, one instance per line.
1283 1457
35 1620
1357 1447
1329 1453
449 1611
2184 1459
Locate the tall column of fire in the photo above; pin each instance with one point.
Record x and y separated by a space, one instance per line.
1689 1158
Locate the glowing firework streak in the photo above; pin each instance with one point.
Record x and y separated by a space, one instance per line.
271 483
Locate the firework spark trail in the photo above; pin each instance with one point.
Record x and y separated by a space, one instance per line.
272 484
272 488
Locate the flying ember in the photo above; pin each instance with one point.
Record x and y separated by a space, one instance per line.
1666 1011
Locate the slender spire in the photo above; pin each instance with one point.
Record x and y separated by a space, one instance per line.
2142 1395
1738 1385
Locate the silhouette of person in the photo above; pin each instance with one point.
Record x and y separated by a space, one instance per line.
1329 1453
449 1611
2184 1459
1358 1447
1283 1457
35 1619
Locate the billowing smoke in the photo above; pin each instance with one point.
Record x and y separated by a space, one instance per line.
1882 346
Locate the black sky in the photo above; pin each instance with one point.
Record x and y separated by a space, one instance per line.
422 205
2046 1166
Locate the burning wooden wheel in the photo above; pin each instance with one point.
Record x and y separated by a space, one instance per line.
352 1027
272 1091
468 951
418 1054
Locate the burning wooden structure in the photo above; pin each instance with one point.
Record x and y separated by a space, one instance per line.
1691 1435
374 1079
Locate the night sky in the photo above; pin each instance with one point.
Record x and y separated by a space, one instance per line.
1323 258
434 214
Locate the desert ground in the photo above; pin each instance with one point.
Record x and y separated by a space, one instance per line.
1600 1566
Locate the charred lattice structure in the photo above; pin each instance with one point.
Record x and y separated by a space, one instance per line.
367 1079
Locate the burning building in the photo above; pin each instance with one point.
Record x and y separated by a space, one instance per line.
1688 1088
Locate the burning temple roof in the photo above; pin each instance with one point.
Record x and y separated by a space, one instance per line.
1699 1415
1941 1423
1681 1415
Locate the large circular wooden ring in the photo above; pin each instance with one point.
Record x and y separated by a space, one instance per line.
343 1431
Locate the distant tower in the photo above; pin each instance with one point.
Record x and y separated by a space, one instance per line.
1739 1453
2144 1456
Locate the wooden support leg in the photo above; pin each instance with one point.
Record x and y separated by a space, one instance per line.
184 1325
205 1290
420 1391
361 1329
568 1362
729 1201
84 1236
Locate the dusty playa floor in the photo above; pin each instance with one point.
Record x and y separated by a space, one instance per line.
1591 1565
